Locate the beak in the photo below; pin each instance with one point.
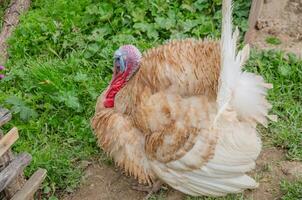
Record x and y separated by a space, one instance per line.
119 64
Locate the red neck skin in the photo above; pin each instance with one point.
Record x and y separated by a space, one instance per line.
117 83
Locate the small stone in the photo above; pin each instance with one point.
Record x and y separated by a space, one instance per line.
261 24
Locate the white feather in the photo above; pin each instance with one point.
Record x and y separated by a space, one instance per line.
237 148
241 91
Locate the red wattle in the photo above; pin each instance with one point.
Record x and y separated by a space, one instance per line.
117 84
109 103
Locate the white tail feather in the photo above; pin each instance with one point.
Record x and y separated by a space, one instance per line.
241 91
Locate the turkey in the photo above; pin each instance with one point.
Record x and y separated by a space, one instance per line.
185 114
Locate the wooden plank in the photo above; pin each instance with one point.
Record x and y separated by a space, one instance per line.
14 169
8 140
253 17
18 182
6 157
31 186
5 116
13 187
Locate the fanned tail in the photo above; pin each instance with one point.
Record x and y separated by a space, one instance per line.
240 91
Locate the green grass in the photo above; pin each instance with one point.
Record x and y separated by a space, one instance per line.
273 40
292 191
61 59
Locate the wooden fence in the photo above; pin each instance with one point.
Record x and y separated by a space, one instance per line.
12 182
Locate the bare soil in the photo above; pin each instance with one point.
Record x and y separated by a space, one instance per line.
102 182
280 19
272 167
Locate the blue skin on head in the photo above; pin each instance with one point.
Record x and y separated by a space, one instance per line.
119 60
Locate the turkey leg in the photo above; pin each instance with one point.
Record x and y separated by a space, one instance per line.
150 189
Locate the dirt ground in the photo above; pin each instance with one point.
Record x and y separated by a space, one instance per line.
280 19
102 182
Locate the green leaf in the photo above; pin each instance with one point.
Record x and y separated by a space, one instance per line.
188 7
53 198
165 23
152 33
93 48
138 15
27 113
284 70
201 5
189 24
79 77
13 100
46 190
70 100
149 28
18 106
105 11
98 34
144 27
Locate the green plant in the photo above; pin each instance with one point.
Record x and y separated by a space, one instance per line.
273 40
292 191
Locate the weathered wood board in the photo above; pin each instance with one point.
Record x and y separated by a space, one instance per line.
14 169
5 116
31 186
8 140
